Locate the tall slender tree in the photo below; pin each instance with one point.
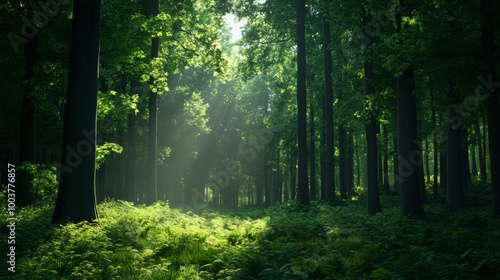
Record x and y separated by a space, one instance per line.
153 119
371 134
303 188
329 188
27 137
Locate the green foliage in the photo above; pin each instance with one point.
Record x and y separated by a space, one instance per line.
104 150
286 241
44 180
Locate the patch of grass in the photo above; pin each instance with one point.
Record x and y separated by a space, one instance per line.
284 241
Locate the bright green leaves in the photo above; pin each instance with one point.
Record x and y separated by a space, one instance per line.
115 107
104 150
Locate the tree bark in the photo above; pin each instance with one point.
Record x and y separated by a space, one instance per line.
371 135
27 136
434 145
493 102
76 199
312 153
303 188
342 162
386 160
330 167
152 189
411 201
454 187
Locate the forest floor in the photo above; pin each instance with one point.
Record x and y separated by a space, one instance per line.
280 242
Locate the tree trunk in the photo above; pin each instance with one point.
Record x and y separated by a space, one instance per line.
27 142
454 187
427 164
130 153
293 175
350 165
312 155
386 161
342 162
434 145
371 136
473 160
151 193
323 152
303 188
411 202
76 199
330 150
493 102
464 160
358 167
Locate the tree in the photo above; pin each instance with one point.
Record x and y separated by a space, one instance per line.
371 134
407 135
27 143
329 187
76 200
151 195
493 107
454 187
303 189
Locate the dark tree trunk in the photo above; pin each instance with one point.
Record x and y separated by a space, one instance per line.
386 161
286 182
493 102
464 160
293 175
434 145
397 186
454 187
76 199
151 193
27 137
312 155
120 172
350 165
371 136
411 201
330 167
259 187
427 164
473 160
303 188
380 169
130 153
342 162
443 169
421 181
323 152
411 198
358 167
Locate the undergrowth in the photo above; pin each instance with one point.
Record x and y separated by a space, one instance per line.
284 241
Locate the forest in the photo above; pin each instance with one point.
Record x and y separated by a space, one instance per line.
250 139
